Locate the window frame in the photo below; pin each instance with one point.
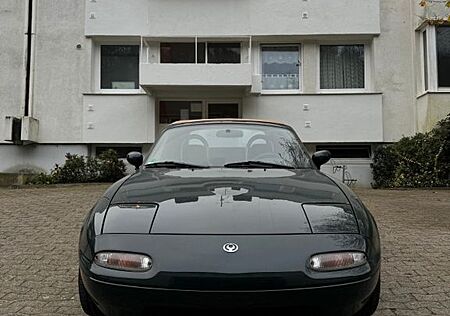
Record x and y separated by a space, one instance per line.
436 64
424 44
97 55
367 69
433 80
206 42
99 148
350 146
205 102
301 72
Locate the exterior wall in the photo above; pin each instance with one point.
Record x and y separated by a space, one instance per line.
62 71
357 169
118 119
431 108
36 158
231 17
333 118
12 59
394 68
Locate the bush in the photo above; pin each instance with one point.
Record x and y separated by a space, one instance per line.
110 168
422 160
79 169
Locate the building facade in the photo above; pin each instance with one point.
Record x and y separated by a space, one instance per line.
85 75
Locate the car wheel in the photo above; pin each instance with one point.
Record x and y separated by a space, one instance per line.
372 303
86 301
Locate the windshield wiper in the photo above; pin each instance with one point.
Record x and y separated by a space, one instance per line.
173 164
257 164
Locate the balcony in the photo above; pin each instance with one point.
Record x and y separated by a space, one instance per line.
330 118
118 118
201 62
154 76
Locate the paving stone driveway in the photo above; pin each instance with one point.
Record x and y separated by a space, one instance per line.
39 235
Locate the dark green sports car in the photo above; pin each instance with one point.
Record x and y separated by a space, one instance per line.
229 215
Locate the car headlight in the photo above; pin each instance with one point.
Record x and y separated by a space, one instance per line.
337 261
123 261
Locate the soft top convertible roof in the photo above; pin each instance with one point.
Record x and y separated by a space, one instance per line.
212 121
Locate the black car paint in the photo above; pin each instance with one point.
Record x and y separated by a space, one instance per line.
271 258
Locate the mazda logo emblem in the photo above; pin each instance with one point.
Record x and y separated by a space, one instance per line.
230 247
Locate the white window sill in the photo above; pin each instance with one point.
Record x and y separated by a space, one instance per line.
343 91
440 90
117 92
280 92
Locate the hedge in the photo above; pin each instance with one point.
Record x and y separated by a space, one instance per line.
419 161
79 169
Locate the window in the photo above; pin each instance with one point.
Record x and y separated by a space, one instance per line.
223 110
172 111
443 55
184 53
347 151
119 67
342 67
122 152
280 67
224 53
425 60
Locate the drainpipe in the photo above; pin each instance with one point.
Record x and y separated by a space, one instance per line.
412 19
30 46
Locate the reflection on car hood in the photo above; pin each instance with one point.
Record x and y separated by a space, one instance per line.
230 201
185 185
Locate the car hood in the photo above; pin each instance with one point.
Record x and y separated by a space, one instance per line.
234 201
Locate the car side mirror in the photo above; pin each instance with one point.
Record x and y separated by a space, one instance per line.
321 157
136 159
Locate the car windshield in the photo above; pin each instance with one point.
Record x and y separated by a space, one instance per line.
233 145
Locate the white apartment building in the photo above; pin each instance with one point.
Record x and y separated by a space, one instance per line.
80 76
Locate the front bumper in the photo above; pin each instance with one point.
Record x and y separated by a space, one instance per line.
121 299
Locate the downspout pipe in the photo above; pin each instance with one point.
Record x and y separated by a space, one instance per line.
30 40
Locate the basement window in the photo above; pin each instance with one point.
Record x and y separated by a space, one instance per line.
347 151
122 152
119 67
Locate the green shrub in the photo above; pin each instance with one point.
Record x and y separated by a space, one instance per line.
79 169
110 168
43 178
422 160
73 170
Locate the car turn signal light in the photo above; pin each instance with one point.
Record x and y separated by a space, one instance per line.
337 261
123 261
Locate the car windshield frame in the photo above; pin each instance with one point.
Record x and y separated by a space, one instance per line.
304 161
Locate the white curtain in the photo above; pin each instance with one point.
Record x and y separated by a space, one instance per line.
280 65
342 67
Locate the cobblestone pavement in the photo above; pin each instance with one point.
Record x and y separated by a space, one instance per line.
39 233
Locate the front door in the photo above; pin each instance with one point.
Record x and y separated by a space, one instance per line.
172 111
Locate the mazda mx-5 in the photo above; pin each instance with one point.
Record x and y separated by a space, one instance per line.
229 214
